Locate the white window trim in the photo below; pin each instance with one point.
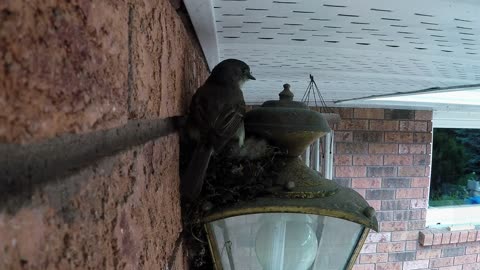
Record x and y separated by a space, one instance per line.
460 214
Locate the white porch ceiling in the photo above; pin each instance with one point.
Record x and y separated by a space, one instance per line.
353 48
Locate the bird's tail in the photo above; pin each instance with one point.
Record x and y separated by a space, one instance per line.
192 180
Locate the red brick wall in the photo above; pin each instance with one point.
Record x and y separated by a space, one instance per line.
81 66
384 155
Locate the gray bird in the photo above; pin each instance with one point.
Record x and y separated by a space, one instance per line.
215 117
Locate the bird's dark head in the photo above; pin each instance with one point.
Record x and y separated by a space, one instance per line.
232 71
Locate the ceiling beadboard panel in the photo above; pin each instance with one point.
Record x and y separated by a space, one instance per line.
353 48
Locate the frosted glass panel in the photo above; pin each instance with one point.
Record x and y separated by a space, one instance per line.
277 241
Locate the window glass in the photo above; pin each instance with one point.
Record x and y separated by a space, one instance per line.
455 167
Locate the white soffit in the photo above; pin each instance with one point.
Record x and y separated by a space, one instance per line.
354 48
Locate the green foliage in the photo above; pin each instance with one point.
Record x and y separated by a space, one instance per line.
470 139
455 159
449 157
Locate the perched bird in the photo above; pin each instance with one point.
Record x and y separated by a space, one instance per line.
215 117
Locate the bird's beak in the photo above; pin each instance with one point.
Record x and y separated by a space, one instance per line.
249 75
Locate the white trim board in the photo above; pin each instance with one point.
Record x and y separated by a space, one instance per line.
453 215
203 20
455 119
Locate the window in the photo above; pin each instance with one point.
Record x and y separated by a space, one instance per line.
455 178
455 167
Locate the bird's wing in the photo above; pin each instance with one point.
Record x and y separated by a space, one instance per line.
226 125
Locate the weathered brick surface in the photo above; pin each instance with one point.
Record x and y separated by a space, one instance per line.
367 113
82 66
399 114
366 183
399 160
395 150
342 160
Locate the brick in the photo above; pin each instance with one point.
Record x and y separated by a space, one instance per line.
342 160
422 137
364 160
351 148
473 266
446 238
404 236
361 192
401 256
396 182
441 262
344 182
368 113
409 193
380 194
471 250
421 182
416 224
366 183
411 171
376 204
391 226
369 248
418 264
344 112
455 267
343 136
381 171
382 148
352 124
350 171
417 149
437 238
455 237
391 247
398 137
399 114
381 237
385 216
399 160
411 245
368 136
408 215
463 237
423 115
419 203
395 205
421 160
425 238
452 252
373 258
389 266
423 254
364 267
472 236
383 125
419 126
465 259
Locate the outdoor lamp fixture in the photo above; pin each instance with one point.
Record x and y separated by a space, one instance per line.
301 221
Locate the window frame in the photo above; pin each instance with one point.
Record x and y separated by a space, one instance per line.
442 216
